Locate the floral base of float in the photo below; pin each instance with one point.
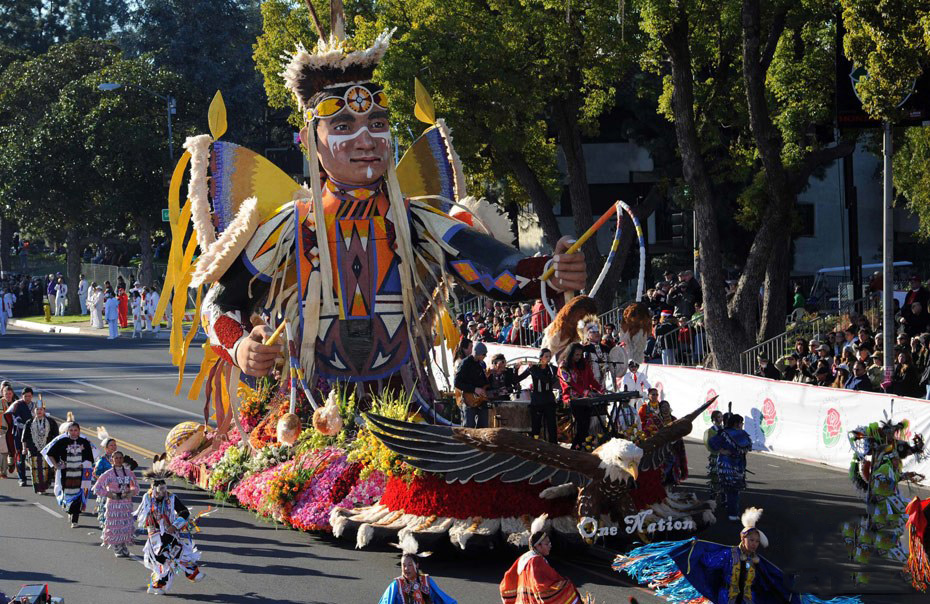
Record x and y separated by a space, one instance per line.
493 482
350 483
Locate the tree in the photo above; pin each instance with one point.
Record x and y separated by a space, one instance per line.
744 86
8 55
209 44
505 75
78 164
35 25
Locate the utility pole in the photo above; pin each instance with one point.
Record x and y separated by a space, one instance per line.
852 213
887 257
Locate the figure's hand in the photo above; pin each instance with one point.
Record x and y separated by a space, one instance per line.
255 358
570 270
481 392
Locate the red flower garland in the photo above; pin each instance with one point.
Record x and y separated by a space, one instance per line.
430 494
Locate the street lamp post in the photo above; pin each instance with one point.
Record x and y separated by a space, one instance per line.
169 104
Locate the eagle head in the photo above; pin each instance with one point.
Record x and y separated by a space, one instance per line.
619 459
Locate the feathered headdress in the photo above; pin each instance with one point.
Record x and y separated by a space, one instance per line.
588 323
538 530
103 437
159 471
749 519
409 546
331 64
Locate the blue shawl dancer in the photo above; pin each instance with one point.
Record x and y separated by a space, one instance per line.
701 572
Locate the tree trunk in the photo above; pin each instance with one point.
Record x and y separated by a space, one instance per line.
565 116
775 297
605 296
726 337
6 241
147 269
73 267
542 203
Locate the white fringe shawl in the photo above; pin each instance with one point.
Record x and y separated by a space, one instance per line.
198 191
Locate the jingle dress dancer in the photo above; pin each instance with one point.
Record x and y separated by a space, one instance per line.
117 486
73 457
39 431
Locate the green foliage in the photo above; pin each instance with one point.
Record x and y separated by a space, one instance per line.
912 174
889 38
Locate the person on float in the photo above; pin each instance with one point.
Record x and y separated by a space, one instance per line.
650 413
542 397
633 380
413 586
918 538
531 580
502 380
471 386
576 379
716 425
589 330
702 571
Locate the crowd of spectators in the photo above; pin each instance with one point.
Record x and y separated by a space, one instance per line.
850 356
503 323
27 293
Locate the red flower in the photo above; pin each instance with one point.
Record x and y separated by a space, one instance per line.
430 494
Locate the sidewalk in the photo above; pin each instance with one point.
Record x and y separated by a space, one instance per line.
84 328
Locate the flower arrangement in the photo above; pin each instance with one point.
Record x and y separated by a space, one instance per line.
230 468
310 438
253 402
311 509
366 491
253 489
182 466
367 450
430 494
268 457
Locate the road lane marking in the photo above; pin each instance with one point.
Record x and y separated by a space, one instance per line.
58 394
139 399
771 465
45 509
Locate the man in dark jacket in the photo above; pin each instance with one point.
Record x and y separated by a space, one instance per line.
767 369
859 380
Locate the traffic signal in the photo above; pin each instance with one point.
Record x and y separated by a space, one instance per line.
679 230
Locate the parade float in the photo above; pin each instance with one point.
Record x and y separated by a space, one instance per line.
355 282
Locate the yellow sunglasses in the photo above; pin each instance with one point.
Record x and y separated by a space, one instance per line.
358 99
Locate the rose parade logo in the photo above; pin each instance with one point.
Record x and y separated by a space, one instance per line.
769 417
832 431
711 393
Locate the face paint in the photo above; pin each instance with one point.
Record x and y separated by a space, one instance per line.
338 141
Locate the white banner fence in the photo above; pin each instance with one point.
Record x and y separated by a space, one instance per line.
788 419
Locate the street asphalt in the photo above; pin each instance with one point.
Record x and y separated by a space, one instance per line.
128 387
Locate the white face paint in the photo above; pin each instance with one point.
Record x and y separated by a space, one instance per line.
338 142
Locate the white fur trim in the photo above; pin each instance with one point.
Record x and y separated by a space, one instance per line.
198 190
490 218
364 535
219 256
331 54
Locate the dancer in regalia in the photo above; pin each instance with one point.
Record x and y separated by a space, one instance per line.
72 456
531 580
700 571
117 486
108 446
39 431
732 444
170 547
413 586
918 537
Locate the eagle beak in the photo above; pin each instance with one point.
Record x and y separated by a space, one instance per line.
634 471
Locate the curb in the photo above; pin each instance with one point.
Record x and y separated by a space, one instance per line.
44 328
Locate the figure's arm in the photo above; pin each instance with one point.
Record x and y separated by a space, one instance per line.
230 301
181 509
487 266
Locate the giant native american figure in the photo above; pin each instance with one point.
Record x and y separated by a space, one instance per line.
357 261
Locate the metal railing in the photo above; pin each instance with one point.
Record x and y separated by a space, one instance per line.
686 345
811 327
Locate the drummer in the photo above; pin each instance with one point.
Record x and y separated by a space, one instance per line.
502 380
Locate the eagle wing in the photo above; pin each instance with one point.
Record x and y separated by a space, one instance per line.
658 448
468 454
